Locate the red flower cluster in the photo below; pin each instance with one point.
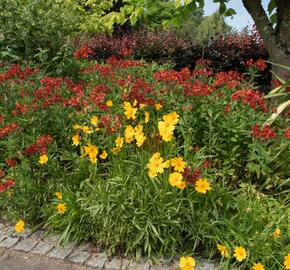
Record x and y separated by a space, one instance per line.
11 162
197 89
8 184
260 64
250 97
173 75
230 79
8 129
15 71
40 145
265 133
287 133
84 52
126 52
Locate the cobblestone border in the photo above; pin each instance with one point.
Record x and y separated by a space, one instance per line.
85 254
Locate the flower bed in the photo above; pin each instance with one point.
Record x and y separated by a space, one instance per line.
147 161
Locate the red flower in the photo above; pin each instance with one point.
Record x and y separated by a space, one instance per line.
261 65
265 133
11 162
287 133
9 183
2 173
228 108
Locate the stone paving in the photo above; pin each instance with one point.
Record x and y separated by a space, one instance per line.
83 255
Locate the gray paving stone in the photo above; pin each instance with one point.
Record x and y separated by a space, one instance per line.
114 264
88 246
24 234
39 235
2 237
139 266
1 226
61 252
204 265
79 256
9 242
26 245
125 264
42 248
97 260
51 239
8 230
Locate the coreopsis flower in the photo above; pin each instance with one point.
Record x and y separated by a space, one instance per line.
58 195
130 111
178 164
109 103
119 142
104 155
75 140
156 165
116 150
91 151
43 159
61 208
258 266
240 254
135 102
94 120
202 185
167 126
187 263
76 126
223 250
129 134
277 233
86 129
287 261
139 135
158 106
176 180
147 117
20 226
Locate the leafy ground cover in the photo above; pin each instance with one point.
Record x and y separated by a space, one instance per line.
146 160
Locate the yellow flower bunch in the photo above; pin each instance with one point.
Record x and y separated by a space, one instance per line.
178 164
156 165
130 111
176 180
223 250
58 195
91 151
129 134
167 126
187 263
20 226
43 159
94 120
202 185
75 140
240 253
119 144
84 129
61 208
139 135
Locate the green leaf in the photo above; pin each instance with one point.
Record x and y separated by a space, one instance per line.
271 6
273 18
230 12
222 8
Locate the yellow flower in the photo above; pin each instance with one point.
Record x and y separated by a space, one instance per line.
277 233
139 135
156 165
147 117
76 140
109 103
58 195
240 254
86 130
130 112
202 185
223 250
77 126
61 208
129 134
176 180
287 261
178 163
94 120
187 263
43 159
119 142
166 130
135 103
104 155
115 150
158 106
142 105
19 226
91 151
258 266
171 118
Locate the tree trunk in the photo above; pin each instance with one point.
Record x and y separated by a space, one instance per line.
277 41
